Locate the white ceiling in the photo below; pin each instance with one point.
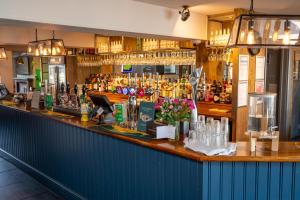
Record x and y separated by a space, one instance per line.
211 7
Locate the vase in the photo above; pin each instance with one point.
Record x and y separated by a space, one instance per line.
177 130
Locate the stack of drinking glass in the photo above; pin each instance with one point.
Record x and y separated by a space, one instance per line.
210 136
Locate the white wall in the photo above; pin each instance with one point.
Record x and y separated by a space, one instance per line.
118 15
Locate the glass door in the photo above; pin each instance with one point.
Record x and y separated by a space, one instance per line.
295 119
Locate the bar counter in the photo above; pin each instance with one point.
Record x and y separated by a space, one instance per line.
80 162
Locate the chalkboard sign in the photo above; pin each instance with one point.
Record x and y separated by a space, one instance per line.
146 115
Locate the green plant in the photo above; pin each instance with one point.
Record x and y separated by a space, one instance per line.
171 110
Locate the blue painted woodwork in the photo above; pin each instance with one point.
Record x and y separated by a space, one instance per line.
80 164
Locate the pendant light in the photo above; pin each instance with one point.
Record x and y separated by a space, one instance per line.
48 47
53 46
251 34
264 30
33 48
3 55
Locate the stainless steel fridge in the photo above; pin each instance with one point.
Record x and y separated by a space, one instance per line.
282 77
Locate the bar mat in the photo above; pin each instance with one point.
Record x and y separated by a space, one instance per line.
114 129
56 115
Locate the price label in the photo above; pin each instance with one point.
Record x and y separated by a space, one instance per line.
100 111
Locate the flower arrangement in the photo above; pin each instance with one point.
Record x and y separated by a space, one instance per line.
172 110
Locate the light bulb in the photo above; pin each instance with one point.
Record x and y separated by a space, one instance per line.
58 50
275 36
29 49
286 36
53 51
45 52
242 36
3 55
37 53
250 37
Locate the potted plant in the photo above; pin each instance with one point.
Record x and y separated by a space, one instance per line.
173 112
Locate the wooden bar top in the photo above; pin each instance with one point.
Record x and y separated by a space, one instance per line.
288 151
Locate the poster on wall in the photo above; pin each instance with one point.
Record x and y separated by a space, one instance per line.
259 86
260 67
242 93
243 67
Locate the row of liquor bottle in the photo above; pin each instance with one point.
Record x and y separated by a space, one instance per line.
147 84
217 91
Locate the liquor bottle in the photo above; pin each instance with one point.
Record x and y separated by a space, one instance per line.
218 91
76 95
49 99
76 89
202 92
82 96
141 91
157 92
68 89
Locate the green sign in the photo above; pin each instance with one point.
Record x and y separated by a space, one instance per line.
119 113
37 79
146 115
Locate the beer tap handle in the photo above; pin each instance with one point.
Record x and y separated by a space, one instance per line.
143 80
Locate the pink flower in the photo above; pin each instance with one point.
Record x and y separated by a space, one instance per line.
185 101
191 105
176 101
157 106
171 107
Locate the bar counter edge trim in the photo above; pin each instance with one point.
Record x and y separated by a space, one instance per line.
187 155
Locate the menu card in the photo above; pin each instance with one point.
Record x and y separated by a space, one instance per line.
146 115
35 102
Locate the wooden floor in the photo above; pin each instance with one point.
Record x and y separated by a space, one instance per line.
17 185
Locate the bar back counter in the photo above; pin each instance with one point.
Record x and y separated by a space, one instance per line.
79 162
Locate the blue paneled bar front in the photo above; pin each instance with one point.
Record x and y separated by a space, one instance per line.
81 164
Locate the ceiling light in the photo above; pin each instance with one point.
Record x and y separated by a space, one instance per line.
20 60
33 46
264 30
53 46
2 54
48 47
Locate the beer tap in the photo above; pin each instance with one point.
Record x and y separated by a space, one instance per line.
126 89
132 105
194 80
149 90
141 91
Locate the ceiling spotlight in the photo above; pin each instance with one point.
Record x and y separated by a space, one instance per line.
185 13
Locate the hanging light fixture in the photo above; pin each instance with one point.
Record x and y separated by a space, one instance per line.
53 46
34 48
2 54
264 30
48 47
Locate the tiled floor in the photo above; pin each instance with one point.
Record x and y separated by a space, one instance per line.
16 185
